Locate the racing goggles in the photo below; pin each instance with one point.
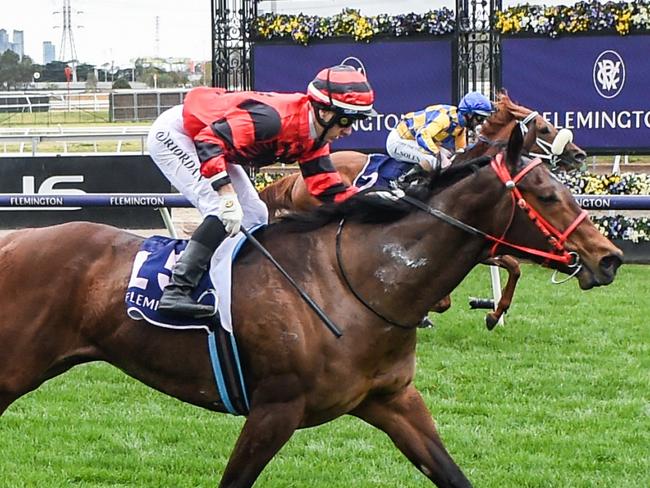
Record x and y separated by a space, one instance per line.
346 121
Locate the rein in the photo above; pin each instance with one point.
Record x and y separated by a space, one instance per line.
339 261
555 237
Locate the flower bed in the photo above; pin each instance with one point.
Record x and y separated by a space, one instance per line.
621 17
303 28
615 227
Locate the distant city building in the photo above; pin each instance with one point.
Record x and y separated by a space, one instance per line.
18 44
49 52
4 40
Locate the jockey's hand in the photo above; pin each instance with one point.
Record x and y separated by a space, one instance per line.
230 212
344 195
393 194
444 159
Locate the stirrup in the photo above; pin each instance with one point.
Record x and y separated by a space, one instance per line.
178 302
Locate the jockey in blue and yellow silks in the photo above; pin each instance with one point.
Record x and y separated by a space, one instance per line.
429 136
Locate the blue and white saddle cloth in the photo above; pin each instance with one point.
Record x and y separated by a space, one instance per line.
152 272
379 171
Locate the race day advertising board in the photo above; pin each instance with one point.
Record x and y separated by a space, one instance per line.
406 75
597 86
36 177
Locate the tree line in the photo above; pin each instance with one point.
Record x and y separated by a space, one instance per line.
17 73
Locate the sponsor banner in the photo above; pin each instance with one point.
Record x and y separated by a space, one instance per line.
77 176
596 86
406 75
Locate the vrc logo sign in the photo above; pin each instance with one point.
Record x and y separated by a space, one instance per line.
609 74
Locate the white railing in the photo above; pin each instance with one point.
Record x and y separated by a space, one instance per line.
43 101
65 135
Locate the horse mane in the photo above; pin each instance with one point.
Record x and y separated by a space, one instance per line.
507 110
367 207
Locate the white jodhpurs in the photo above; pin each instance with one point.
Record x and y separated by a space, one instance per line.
407 150
174 153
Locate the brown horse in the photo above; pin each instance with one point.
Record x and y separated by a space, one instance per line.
290 193
298 374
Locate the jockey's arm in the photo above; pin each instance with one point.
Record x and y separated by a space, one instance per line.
460 141
426 137
322 180
210 150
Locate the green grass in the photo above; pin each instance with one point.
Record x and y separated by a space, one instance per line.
559 397
78 117
75 147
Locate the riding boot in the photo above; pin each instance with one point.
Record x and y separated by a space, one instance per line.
188 270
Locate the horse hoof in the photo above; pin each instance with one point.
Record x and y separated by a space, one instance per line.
491 321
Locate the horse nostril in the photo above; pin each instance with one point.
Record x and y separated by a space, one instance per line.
580 157
610 264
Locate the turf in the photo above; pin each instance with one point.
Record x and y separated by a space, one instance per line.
559 397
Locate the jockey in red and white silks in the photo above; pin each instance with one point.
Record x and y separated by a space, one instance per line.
176 156
200 145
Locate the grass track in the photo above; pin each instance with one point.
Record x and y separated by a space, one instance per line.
560 397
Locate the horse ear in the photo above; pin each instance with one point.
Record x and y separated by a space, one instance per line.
515 145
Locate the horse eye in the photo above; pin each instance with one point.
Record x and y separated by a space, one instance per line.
545 129
548 198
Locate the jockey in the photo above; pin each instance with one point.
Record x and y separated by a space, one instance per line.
200 145
429 137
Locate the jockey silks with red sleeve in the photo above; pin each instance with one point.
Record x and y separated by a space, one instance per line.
200 147
259 129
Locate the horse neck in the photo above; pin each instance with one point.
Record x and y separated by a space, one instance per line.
406 266
494 135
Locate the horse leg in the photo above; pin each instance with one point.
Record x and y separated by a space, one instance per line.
511 265
267 428
406 420
6 399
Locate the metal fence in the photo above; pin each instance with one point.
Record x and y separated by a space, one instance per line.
66 140
64 106
142 105
51 107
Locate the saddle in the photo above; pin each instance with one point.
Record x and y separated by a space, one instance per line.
381 171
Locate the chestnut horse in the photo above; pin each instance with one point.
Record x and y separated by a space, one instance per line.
62 300
289 193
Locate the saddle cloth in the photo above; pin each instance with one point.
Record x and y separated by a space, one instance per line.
379 171
151 272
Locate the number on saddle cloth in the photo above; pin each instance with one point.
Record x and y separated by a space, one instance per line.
151 273
380 171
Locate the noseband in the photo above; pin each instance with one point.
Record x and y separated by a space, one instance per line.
547 153
555 237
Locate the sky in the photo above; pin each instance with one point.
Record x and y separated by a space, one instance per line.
119 31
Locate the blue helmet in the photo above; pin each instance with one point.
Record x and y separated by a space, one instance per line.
475 103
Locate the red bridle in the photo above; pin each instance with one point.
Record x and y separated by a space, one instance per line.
555 238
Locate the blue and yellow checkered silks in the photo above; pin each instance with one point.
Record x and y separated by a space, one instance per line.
435 126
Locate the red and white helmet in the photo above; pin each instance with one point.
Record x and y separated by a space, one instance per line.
343 89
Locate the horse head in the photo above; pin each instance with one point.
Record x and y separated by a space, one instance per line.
553 146
542 207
